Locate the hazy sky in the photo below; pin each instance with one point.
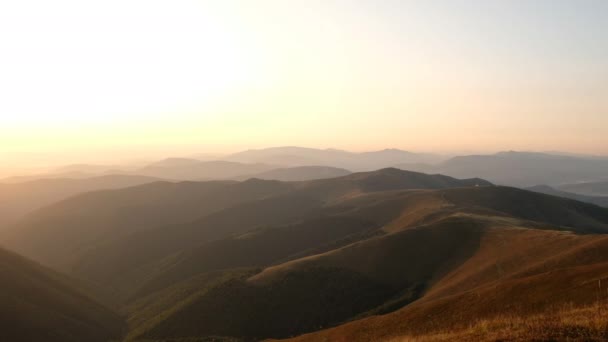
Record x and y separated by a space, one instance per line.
82 77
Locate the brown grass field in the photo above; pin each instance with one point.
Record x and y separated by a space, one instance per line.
588 323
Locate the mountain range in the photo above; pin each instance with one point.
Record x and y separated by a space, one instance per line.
380 255
587 188
545 189
363 161
192 169
521 169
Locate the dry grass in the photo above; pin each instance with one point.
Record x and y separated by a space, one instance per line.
507 310
588 323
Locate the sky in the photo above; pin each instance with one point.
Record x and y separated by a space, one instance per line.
105 80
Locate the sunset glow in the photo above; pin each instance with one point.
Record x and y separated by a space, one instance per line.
347 74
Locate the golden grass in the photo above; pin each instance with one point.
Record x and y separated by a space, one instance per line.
568 323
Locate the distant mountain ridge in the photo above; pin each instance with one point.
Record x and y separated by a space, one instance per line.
72 171
191 169
522 169
364 161
545 189
587 188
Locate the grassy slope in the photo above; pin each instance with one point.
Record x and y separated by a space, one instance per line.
37 304
149 311
566 323
542 208
125 263
470 237
353 249
516 272
260 248
302 301
331 227
378 209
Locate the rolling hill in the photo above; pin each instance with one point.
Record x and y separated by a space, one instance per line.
101 228
379 255
404 262
111 263
19 199
91 219
37 304
394 260
524 278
